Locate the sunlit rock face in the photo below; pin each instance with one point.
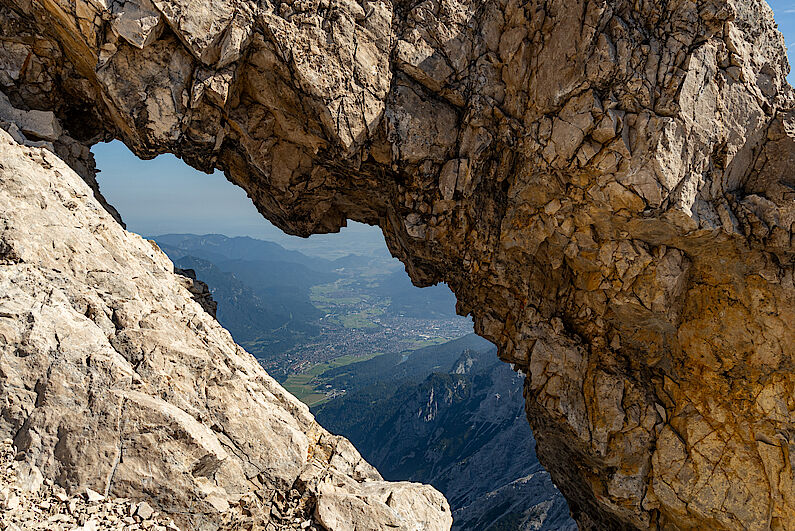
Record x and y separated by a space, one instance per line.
116 378
607 186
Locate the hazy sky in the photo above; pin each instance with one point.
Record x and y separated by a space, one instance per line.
165 195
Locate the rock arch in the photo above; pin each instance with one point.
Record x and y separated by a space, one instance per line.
606 185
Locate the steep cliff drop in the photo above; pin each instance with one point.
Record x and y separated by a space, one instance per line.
606 185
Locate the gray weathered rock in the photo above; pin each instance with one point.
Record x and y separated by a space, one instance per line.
48 507
605 184
116 382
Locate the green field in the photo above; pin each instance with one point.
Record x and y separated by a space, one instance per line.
326 296
305 386
361 320
335 300
308 386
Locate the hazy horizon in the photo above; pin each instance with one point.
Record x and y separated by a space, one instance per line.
166 196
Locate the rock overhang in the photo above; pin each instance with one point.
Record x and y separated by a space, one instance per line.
606 187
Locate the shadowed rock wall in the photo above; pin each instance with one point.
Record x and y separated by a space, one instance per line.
607 186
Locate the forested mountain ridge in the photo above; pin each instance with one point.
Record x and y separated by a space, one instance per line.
220 247
263 289
449 425
293 310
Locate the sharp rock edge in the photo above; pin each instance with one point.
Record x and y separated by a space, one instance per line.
117 382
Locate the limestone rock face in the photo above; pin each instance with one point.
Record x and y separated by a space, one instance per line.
115 379
606 185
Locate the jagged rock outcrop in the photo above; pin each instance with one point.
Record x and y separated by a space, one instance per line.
115 379
606 185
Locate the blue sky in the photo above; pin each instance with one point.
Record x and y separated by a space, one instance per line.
785 17
165 195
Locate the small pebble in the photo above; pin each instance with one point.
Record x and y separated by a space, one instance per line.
93 496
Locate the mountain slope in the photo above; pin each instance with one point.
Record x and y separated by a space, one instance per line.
262 289
217 247
274 321
403 367
115 379
452 429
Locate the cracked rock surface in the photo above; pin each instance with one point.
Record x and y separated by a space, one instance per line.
115 379
30 502
606 185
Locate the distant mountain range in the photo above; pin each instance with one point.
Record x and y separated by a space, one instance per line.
455 420
263 289
451 414
275 317
217 247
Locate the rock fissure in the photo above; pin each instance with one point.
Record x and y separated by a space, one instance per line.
120 451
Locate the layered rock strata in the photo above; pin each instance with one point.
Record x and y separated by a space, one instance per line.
115 379
606 185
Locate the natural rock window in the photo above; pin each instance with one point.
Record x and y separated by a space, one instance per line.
606 187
